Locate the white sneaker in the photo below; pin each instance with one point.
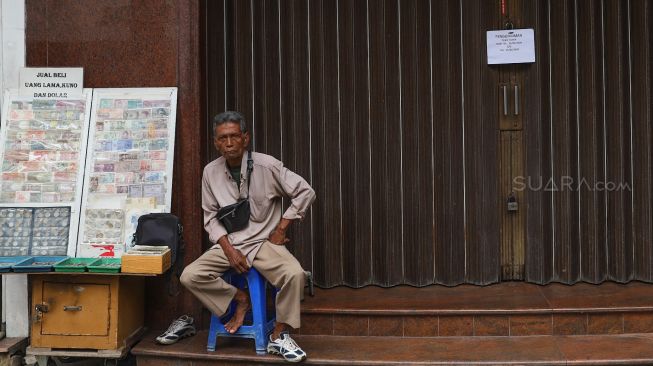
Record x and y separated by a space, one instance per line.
286 347
180 328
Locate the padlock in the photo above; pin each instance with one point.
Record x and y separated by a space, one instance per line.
512 202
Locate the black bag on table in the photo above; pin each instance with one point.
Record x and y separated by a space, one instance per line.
162 229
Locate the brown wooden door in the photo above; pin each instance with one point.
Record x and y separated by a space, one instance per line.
390 110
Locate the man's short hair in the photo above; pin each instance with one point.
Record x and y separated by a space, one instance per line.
230 117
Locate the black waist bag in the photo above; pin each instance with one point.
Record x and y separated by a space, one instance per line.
235 217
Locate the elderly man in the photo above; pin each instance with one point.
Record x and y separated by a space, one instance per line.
260 243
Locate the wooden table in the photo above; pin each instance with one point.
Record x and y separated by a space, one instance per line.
85 314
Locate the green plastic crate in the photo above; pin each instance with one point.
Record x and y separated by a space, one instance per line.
105 265
73 265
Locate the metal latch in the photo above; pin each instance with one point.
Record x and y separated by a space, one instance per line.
72 308
39 309
512 202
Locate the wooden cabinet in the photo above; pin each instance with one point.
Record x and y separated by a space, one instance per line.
85 310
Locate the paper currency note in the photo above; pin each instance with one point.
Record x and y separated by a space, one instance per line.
66 187
158 155
43 155
153 190
44 104
64 177
67 197
67 156
158 165
107 167
17 104
134 104
50 197
104 145
136 190
144 113
107 113
32 166
40 177
153 177
13 186
35 197
13 177
70 167
124 145
145 165
21 115
125 178
156 103
33 187
106 188
22 197
105 178
158 124
130 114
48 187
128 156
159 144
106 103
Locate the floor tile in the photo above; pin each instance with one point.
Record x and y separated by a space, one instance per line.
456 325
522 325
569 324
486 325
421 326
605 323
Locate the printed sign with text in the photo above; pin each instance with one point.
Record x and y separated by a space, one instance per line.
513 46
49 82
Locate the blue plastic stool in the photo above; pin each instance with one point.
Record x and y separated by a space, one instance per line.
261 326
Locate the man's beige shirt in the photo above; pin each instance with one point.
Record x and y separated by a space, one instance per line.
270 181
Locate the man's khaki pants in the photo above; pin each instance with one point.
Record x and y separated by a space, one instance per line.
274 262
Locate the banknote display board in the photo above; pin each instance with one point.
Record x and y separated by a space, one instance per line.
43 151
128 167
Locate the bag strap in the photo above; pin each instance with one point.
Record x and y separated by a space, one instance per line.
250 167
173 275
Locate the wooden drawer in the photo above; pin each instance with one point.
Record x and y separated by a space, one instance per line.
76 309
85 311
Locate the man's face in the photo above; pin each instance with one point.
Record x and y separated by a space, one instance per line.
230 141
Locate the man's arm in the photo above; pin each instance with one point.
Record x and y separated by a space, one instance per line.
217 232
301 197
210 206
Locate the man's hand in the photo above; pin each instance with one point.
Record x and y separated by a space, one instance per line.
278 237
237 260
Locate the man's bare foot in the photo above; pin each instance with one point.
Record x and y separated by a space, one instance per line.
278 329
242 306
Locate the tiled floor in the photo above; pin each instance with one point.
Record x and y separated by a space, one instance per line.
333 350
507 323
